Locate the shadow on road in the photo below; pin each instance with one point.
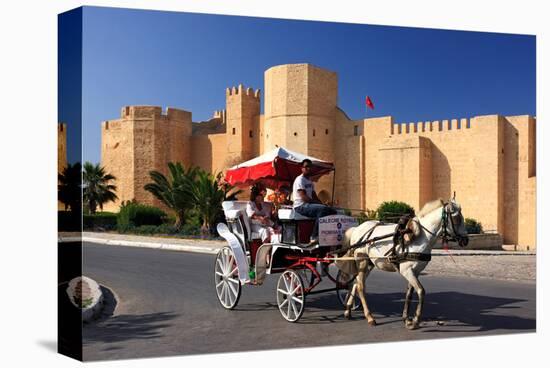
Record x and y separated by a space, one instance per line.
128 327
454 309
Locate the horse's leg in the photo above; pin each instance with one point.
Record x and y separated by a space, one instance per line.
412 278
349 301
408 297
361 291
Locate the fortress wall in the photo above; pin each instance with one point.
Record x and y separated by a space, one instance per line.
466 157
258 143
375 130
347 160
322 96
290 132
406 163
144 139
172 134
144 159
520 181
527 217
140 112
488 160
117 157
350 162
209 152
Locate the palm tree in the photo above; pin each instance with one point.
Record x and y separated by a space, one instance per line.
69 189
208 194
175 191
97 187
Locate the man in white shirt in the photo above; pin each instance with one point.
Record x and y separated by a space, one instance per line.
306 202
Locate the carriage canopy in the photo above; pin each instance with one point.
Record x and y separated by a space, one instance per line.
275 168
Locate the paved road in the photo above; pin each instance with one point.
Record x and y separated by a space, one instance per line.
167 306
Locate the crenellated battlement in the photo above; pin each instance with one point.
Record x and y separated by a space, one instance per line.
240 90
149 112
446 125
220 114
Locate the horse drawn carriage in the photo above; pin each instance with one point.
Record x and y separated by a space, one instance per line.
301 266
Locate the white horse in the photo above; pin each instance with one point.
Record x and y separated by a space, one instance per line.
436 219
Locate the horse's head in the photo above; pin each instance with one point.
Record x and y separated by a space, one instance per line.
453 223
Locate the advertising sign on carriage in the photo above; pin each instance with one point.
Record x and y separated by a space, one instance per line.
332 228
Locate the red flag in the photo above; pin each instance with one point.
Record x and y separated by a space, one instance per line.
369 103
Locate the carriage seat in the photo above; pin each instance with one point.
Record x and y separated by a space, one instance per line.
291 214
235 210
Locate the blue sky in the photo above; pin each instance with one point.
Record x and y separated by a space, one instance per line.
187 60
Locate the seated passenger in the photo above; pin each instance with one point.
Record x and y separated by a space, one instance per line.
259 213
306 202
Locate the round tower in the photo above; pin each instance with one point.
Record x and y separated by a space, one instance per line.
300 109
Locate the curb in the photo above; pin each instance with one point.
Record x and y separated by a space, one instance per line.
204 249
163 246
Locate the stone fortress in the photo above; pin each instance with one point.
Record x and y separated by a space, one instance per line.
489 161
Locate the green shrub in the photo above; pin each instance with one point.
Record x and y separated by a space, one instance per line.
133 214
190 229
100 220
473 226
366 216
391 211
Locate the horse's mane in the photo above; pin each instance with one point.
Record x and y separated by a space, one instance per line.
430 206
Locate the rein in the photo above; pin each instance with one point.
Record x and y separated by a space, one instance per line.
406 256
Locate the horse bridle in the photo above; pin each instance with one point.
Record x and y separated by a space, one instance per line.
445 236
446 217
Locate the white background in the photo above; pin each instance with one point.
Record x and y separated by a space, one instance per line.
28 78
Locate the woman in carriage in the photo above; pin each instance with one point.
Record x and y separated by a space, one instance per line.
260 214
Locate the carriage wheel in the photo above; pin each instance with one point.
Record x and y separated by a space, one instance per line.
226 276
290 295
343 289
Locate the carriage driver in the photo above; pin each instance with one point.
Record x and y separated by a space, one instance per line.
306 202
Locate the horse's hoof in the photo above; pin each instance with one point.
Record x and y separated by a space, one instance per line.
411 325
372 322
347 315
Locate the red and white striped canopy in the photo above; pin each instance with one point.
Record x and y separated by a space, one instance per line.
275 168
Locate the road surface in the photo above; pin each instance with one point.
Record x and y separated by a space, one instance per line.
167 306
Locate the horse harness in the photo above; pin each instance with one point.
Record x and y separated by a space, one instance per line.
399 239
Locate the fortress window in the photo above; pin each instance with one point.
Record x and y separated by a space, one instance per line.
356 130
326 131
295 134
314 132
233 131
127 110
250 133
